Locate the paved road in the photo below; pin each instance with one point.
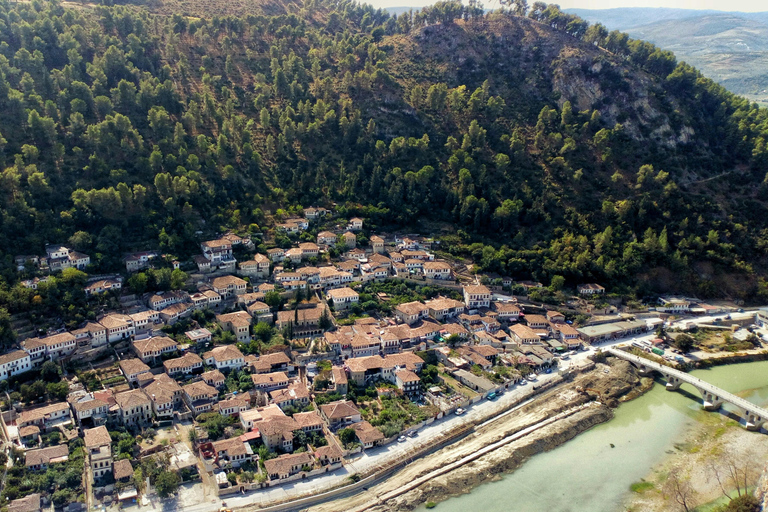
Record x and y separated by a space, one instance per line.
364 462
695 382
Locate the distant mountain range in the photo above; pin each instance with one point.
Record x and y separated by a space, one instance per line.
729 47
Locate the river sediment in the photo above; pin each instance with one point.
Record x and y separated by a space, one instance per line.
603 386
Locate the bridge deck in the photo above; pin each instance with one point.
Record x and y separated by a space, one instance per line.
698 383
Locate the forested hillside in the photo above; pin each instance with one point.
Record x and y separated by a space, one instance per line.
537 144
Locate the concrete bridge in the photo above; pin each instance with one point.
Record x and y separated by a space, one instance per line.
754 417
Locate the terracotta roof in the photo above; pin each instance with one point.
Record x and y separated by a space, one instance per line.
441 303
523 331
237 318
408 376
87 405
312 314
158 343
115 320
282 465
213 376
405 359
411 308
187 360
46 455
29 430
133 366
221 242
342 293
296 391
339 375
236 401
162 389
122 469
339 410
132 398
224 353
232 446
477 289
436 265
32 415
9 357
269 378
485 350
90 327
330 451
200 388
95 437
307 419
225 281
366 432
506 307
536 319
29 503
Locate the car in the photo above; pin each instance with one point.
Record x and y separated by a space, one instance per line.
548 370
401 439
412 433
460 411
606 370
523 382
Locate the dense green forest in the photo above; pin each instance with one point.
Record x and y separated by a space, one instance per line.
536 144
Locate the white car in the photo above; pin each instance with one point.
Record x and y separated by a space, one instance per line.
459 411
401 439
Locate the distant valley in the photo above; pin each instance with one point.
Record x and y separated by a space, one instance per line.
729 47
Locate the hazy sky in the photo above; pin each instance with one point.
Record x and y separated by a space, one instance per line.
733 5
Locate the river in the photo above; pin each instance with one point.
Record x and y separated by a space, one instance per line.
595 470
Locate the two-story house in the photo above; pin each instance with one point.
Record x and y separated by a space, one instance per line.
437 270
342 298
411 312
229 286
98 448
150 350
225 357
477 296
238 323
184 365
14 363
135 408
200 397
441 308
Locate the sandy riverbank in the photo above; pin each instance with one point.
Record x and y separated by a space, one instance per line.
607 388
714 438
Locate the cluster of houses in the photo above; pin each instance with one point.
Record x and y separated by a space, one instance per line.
57 258
166 381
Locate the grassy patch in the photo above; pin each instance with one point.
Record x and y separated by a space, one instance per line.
641 487
430 504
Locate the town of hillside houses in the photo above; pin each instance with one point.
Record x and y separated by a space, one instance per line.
270 369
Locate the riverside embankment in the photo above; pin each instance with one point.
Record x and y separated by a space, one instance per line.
462 466
623 464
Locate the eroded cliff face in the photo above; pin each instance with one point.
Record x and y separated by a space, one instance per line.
622 96
540 66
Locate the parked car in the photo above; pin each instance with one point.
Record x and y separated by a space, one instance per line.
411 433
460 411
401 439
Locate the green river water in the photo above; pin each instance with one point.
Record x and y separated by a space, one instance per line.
587 474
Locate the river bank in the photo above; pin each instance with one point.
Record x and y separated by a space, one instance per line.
713 442
598 386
